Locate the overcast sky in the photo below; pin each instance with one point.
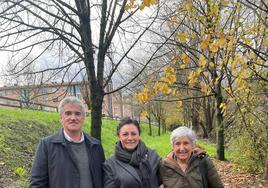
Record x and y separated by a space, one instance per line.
50 61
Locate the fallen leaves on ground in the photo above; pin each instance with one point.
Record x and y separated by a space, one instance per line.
233 177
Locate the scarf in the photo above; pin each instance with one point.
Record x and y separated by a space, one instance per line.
138 159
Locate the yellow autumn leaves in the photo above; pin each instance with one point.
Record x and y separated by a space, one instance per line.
182 37
185 60
132 4
219 41
144 96
223 107
202 61
193 77
162 86
170 75
219 59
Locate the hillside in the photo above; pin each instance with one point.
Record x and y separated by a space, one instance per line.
20 131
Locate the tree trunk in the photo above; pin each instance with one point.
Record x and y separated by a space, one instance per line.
150 126
121 104
164 129
186 113
194 117
159 126
205 133
219 123
266 171
208 111
96 111
86 93
110 100
95 81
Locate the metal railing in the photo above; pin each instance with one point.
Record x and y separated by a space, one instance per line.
27 104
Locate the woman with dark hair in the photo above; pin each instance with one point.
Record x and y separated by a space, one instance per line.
133 165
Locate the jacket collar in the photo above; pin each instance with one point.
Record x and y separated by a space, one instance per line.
172 163
59 138
130 169
67 137
170 158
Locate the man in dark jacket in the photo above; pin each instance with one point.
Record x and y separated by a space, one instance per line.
69 158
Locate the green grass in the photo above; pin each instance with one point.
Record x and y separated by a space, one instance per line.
20 131
211 149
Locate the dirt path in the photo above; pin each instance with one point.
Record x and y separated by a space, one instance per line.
233 177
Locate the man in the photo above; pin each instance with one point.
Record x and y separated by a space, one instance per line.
70 158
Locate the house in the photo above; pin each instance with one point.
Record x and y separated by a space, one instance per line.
48 96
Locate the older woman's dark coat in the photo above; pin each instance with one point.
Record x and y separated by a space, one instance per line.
118 174
174 177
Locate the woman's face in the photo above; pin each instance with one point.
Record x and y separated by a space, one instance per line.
182 148
129 136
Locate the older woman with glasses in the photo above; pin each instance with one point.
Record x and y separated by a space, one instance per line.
182 168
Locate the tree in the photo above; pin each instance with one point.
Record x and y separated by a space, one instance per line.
79 31
159 113
259 11
213 43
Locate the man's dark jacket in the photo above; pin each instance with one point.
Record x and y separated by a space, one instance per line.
54 165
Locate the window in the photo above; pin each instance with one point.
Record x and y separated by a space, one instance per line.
74 90
44 91
55 99
53 89
45 98
25 95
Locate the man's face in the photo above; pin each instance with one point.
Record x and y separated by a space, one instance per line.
72 118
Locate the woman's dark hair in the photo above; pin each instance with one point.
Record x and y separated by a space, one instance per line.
125 121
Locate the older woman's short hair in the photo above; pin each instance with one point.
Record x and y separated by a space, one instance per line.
72 100
183 132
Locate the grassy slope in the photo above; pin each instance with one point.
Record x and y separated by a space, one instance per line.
20 131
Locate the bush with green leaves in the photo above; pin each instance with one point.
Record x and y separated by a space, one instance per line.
249 145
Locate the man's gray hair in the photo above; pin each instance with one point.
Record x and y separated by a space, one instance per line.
183 132
72 100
